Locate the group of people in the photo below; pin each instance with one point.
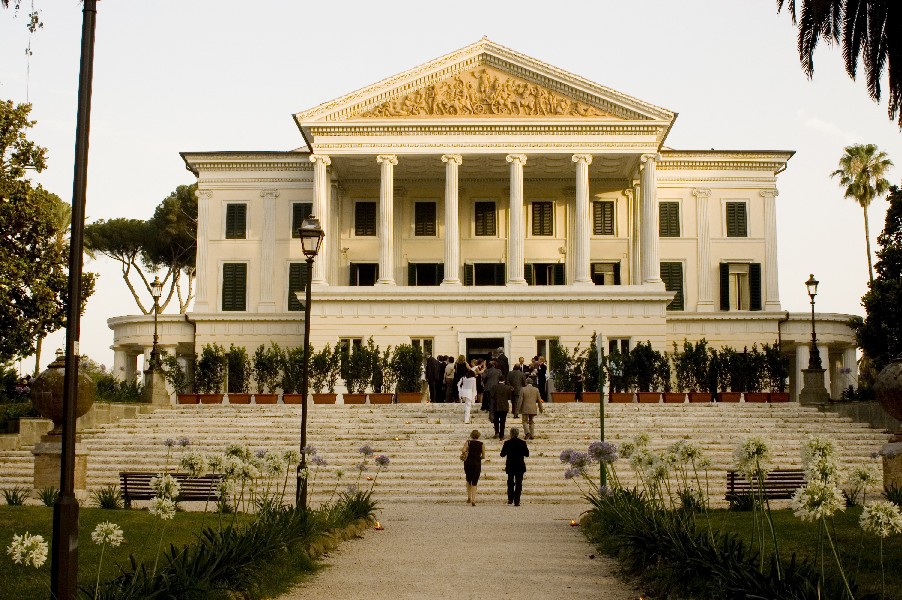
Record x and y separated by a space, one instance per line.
443 374
514 450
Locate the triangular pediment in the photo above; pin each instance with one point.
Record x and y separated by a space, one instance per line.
484 81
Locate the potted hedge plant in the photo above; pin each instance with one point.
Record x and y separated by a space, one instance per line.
238 375
565 366
757 376
178 379
384 376
292 368
642 370
209 374
616 366
407 361
593 374
776 371
267 373
731 370
357 373
321 369
692 370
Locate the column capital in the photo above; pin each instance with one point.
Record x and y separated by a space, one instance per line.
269 193
321 158
586 158
653 156
628 192
520 158
205 194
771 193
455 158
387 158
701 192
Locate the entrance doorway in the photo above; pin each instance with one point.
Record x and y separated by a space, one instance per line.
483 347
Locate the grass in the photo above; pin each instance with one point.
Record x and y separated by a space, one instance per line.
140 529
859 561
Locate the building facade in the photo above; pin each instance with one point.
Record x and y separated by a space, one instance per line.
488 199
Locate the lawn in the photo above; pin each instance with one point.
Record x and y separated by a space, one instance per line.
141 531
859 555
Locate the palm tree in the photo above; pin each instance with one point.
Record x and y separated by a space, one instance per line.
861 171
866 29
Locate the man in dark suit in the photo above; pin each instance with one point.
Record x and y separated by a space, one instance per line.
516 451
433 378
502 363
490 377
501 394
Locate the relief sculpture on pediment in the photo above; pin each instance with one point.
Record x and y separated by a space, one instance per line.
484 92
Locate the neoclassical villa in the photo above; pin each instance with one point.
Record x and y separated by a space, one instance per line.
488 199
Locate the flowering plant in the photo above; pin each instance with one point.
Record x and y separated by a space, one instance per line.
28 550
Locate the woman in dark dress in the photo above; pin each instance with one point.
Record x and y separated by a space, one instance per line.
475 452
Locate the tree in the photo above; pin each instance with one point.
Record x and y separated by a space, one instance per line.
33 246
861 171
867 29
166 243
880 335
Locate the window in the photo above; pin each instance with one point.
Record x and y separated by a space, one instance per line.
484 274
740 286
621 345
543 218
544 273
606 273
425 273
669 219
297 282
364 274
299 212
543 346
603 217
365 218
344 347
485 219
737 219
425 344
672 275
424 218
236 221
234 286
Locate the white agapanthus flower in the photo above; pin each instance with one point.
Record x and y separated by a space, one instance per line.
273 465
28 550
816 500
819 460
214 463
194 462
862 477
164 508
882 518
108 534
753 457
165 486
817 447
292 457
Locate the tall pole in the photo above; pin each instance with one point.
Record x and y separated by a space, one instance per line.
64 550
603 474
814 356
301 494
154 355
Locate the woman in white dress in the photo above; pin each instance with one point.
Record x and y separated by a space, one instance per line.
466 389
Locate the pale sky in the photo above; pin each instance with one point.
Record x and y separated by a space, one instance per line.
171 76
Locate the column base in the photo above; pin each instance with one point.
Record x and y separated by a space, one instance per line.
155 392
385 282
584 283
516 283
47 455
451 283
813 390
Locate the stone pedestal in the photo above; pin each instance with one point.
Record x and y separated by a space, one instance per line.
47 464
155 388
892 463
813 390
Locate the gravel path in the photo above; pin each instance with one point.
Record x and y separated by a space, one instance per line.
458 552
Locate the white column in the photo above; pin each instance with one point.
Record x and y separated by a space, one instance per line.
201 304
515 225
386 219
772 293
268 251
581 221
120 362
850 366
321 193
452 220
703 250
632 199
651 267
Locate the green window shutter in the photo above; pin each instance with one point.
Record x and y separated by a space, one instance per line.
755 286
299 212
424 218
559 274
499 274
441 272
236 221
468 274
411 274
542 218
737 219
616 273
297 282
529 274
724 286
365 219
234 287
603 217
352 277
672 274
669 219
485 218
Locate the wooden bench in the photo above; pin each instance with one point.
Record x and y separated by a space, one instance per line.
136 486
778 485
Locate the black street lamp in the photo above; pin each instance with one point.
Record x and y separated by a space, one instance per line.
814 357
156 290
311 239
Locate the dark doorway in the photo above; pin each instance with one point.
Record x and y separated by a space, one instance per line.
483 347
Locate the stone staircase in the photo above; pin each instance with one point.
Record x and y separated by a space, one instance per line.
424 441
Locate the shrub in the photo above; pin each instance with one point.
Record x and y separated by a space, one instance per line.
209 370
175 374
594 375
49 496
643 367
292 367
267 368
776 367
109 389
407 361
893 494
239 370
16 495
320 366
108 497
358 370
11 413
566 366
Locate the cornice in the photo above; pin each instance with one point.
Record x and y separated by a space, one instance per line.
512 145
719 165
459 128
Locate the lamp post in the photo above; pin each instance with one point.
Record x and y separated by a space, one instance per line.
311 239
814 357
156 290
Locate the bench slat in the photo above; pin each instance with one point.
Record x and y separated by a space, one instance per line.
136 486
778 485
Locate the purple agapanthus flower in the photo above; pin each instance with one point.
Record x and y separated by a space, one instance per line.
605 452
565 455
366 450
605 491
361 467
382 460
319 461
260 453
579 460
184 442
571 473
169 442
309 450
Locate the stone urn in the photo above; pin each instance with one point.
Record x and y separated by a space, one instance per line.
888 389
47 393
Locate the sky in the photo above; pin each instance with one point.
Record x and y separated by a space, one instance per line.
172 76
